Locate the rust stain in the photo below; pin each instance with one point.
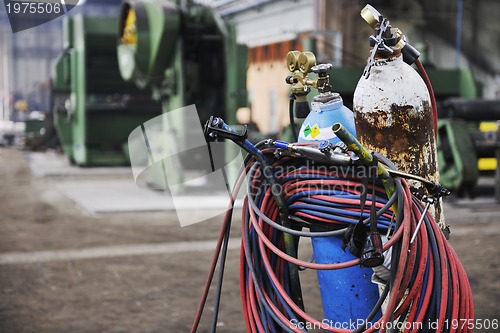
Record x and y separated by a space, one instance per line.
404 134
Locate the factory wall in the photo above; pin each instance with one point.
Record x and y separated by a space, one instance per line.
268 92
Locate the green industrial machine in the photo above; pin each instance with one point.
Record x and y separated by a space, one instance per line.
183 54
33 133
481 117
457 156
94 109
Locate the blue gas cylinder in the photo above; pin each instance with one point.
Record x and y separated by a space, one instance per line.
347 295
326 109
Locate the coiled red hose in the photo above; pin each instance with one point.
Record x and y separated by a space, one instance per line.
428 280
410 295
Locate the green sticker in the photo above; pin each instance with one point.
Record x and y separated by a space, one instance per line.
307 130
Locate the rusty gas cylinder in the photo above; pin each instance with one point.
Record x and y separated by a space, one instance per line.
393 116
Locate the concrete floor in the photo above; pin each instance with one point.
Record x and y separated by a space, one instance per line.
65 267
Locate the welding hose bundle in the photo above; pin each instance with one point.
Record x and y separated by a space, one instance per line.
427 289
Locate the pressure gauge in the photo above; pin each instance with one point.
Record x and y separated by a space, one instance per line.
291 60
306 61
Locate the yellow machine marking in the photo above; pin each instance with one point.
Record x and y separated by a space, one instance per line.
488 126
487 164
490 163
130 31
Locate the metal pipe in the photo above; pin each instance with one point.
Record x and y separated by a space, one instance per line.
241 7
471 109
6 71
458 36
364 156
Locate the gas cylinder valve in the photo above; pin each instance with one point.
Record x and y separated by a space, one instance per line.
301 64
386 39
323 82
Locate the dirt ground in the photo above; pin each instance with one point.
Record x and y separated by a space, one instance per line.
150 292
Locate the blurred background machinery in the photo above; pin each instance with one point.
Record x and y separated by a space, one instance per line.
469 143
454 38
181 50
94 109
185 54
